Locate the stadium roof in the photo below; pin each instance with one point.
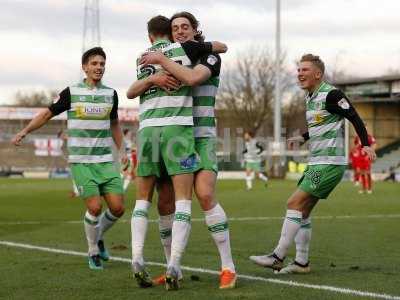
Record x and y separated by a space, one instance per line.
352 81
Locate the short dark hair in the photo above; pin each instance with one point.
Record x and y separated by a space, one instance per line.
92 52
193 21
159 25
315 60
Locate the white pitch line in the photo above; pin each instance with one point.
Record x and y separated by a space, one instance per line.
232 219
207 271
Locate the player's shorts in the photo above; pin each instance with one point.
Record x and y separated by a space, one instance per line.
355 164
206 148
96 179
320 180
365 166
253 166
170 146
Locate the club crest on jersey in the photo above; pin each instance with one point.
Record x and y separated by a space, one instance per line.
318 118
212 60
189 162
82 98
343 103
318 105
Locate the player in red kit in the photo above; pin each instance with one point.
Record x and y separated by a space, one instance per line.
365 166
355 164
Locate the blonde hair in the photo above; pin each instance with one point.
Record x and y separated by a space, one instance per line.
315 60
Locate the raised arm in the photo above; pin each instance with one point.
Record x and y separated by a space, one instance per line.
186 75
209 65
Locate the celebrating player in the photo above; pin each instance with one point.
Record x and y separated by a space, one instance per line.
166 132
326 108
93 125
205 79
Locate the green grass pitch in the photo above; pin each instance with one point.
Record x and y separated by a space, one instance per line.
355 245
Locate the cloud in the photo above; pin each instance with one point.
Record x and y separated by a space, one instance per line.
41 40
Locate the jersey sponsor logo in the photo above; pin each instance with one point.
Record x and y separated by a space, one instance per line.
212 60
343 103
82 98
92 111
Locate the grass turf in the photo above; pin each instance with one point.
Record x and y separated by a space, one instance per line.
359 252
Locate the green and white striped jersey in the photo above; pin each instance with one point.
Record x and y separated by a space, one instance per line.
326 130
89 111
204 108
204 99
252 151
161 108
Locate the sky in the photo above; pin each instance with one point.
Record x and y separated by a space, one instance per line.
41 40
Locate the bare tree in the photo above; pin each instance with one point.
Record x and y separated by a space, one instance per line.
294 114
335 72
247 90
35 98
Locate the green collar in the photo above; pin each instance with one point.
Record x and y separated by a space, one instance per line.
161 41
315 93
98 85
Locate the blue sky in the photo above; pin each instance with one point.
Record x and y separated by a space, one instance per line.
41 40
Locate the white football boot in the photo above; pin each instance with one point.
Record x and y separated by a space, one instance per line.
269 261
295 268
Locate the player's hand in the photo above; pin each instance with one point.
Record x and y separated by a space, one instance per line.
370 152
294 142
17 139
152 58
165 81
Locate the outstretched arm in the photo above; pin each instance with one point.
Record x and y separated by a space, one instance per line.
38 121
63 103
